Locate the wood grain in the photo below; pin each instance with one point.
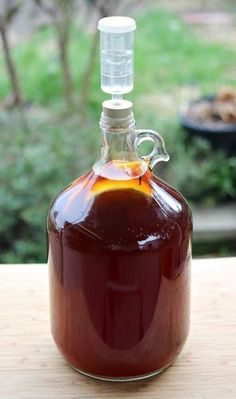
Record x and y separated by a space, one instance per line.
32 368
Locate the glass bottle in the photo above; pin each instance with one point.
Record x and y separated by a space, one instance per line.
119 259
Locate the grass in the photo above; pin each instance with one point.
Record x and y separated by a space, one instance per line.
167 55
36 164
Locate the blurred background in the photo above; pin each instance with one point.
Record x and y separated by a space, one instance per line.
50 104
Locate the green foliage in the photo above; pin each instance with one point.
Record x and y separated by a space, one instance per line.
34 168
202 175
36 164
167 55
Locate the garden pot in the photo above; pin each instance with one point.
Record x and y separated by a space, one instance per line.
221 135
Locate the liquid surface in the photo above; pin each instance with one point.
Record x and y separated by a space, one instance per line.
119 257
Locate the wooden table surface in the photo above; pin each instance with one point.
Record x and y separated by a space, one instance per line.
31 367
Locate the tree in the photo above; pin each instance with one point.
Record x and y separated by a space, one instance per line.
8 10
61 14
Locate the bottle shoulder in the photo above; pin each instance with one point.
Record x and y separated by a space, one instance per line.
171 196
144 211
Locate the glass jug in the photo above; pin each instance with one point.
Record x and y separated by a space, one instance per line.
119 259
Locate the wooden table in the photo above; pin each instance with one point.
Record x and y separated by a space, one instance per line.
31 367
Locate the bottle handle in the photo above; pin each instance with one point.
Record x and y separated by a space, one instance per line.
158 152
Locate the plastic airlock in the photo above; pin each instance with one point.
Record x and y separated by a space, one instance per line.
116 47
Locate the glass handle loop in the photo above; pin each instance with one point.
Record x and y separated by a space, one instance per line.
158 152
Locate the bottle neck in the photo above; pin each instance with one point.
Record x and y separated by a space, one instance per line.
121 142
118 146
118 136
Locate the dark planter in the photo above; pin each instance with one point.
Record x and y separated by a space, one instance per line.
221 135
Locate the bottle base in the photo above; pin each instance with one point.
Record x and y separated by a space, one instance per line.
122 379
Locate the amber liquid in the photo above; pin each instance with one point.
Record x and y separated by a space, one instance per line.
119 258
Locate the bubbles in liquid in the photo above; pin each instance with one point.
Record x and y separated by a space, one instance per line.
117 71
